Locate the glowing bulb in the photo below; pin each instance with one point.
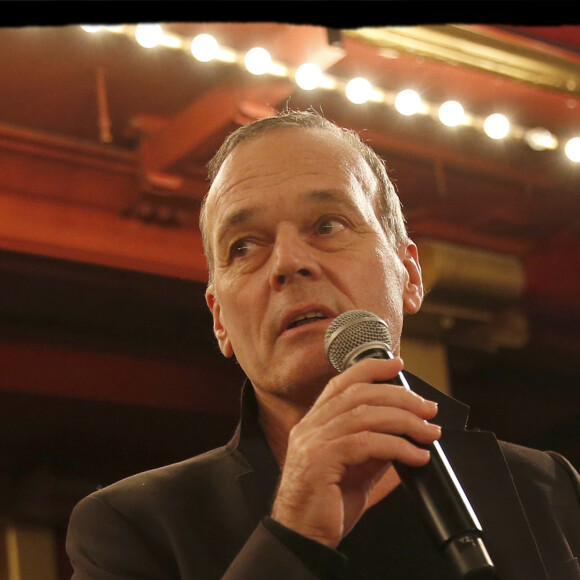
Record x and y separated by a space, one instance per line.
451 113
148 35
358 90
572 149
308 76
540 139
204 47
496 126
408 102
92 28
258 60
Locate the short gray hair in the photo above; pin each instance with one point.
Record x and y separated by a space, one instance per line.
388 205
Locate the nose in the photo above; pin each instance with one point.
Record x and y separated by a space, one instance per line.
292 258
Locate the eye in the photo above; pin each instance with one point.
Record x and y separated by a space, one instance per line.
240 248
329 225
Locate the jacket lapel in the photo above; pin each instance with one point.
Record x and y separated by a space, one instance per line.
474 455
258 482
484 475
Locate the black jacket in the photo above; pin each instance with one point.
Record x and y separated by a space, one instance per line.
206 518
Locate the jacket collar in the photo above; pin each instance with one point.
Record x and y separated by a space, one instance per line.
476 458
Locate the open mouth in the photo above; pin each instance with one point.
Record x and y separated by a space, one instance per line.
307 318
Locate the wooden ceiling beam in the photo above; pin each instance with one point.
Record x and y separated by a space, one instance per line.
119 377
214 111
66 199
63 230
206 116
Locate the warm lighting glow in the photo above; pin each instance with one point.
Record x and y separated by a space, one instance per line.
308 76
408 102
148 35
226 55
358 90
451 113
540 139
92 28
204 47
496 126
171 41
258 60
572 149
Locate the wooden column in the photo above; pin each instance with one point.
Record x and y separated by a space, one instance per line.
29 553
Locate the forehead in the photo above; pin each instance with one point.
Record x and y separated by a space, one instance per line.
288 160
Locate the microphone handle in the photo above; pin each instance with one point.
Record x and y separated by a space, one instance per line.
446 509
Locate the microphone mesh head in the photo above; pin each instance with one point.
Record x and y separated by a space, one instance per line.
349 331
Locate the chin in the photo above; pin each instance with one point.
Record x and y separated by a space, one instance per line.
304 388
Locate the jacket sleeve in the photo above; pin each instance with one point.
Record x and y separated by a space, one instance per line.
551 500
103 545
274 551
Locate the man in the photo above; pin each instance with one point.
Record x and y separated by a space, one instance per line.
301 223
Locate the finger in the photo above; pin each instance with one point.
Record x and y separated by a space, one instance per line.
380 395
358 448
388 420
366 371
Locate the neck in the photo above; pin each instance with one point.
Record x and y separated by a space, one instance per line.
277 418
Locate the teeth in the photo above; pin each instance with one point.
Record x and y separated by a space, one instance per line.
307 316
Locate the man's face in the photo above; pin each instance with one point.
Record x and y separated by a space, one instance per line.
296 242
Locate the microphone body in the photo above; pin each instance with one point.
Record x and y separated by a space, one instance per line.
434 487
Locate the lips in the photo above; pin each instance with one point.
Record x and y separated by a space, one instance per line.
307 319
305 316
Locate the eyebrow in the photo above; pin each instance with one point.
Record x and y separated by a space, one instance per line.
246 214
238 217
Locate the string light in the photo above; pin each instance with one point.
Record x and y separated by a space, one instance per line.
496 126
258 60
572 149
358 90
308 76
451 113
408 102
204 47
148 35
92 28
540 139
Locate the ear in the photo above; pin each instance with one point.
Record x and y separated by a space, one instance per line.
413 290
218 327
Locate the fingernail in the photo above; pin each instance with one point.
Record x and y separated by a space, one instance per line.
433 426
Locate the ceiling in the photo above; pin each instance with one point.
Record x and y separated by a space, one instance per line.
103 146
105 142
165 113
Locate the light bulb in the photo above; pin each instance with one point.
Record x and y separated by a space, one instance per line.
204 47
258 60
308 76
92 28
408 102
540 139
358 90
148 35
451 113
572 149
496 126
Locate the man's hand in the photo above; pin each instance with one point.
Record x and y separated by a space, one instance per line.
344 446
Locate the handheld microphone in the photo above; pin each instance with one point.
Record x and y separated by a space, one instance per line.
356 335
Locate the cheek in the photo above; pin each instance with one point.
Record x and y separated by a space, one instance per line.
239 310
391 273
